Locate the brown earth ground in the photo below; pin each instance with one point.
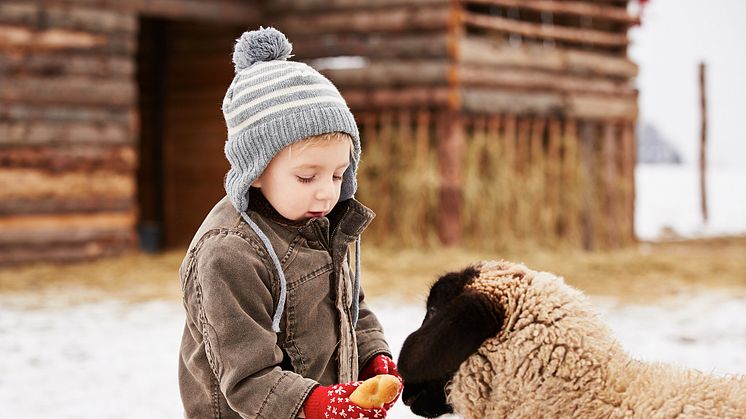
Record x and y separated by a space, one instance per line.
642 273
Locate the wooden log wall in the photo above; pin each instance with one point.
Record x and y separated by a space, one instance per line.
68 125
527 179
510 86
534 179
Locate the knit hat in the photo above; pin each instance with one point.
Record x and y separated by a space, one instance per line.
271 104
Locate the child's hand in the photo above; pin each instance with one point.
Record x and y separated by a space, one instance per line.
382 364
333 402
379 364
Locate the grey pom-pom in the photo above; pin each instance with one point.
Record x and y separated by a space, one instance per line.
264 44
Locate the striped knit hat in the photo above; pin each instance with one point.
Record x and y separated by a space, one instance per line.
271 104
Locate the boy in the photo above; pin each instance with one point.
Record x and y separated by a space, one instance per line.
276 324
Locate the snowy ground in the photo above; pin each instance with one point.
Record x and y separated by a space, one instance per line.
117 360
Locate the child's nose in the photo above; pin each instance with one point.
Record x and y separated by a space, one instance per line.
325 191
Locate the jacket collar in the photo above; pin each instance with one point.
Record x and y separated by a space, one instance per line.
348 216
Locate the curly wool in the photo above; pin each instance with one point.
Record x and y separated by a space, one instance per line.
263 44
554 357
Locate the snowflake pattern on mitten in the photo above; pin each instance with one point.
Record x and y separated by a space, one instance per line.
333 402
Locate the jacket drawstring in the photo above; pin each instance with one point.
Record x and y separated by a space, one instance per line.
283 283
355 306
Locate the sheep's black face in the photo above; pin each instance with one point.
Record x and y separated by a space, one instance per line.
456 324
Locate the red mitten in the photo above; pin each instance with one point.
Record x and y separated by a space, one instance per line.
382 364
379 364
333 402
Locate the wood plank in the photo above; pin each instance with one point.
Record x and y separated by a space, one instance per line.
224 11
395 19
373 45
548 103
585 9
597 107
74 18
69 90
326 5
18 38
61 205
28 133
550 32
391 73
24 112
15 39
541 80
20 13
70 223
413 97
480 50
56 159
55 64
37 184
46 250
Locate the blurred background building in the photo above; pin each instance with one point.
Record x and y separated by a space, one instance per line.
483 121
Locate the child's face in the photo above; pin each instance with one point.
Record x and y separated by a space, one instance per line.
305 182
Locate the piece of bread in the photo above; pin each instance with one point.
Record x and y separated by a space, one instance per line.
376 391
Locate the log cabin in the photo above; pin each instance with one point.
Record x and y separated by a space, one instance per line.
480 118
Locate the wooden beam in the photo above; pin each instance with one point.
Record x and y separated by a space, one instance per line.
586 9
83 18
391 73
39 184
541 80
120 159
581 106
69 90
327 5
395 19
413 97
20 37
223 11
42 132
537 30
70 223
62 113
60 247
480 50
56 64
372 45
61 205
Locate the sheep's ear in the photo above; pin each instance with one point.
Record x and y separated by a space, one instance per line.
447 338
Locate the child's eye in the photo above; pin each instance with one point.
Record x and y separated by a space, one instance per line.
337 178
304 179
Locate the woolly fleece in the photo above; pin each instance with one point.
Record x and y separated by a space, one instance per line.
555 358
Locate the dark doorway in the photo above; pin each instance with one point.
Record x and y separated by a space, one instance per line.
184 69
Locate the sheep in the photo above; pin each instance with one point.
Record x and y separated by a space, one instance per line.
500 340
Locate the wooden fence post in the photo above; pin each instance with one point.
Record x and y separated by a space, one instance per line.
451 143
703 141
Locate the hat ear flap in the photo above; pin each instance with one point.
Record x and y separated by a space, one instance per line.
449 337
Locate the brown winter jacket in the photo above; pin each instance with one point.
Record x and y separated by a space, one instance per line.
232 364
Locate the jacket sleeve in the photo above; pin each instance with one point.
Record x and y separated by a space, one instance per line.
369 333
232 306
